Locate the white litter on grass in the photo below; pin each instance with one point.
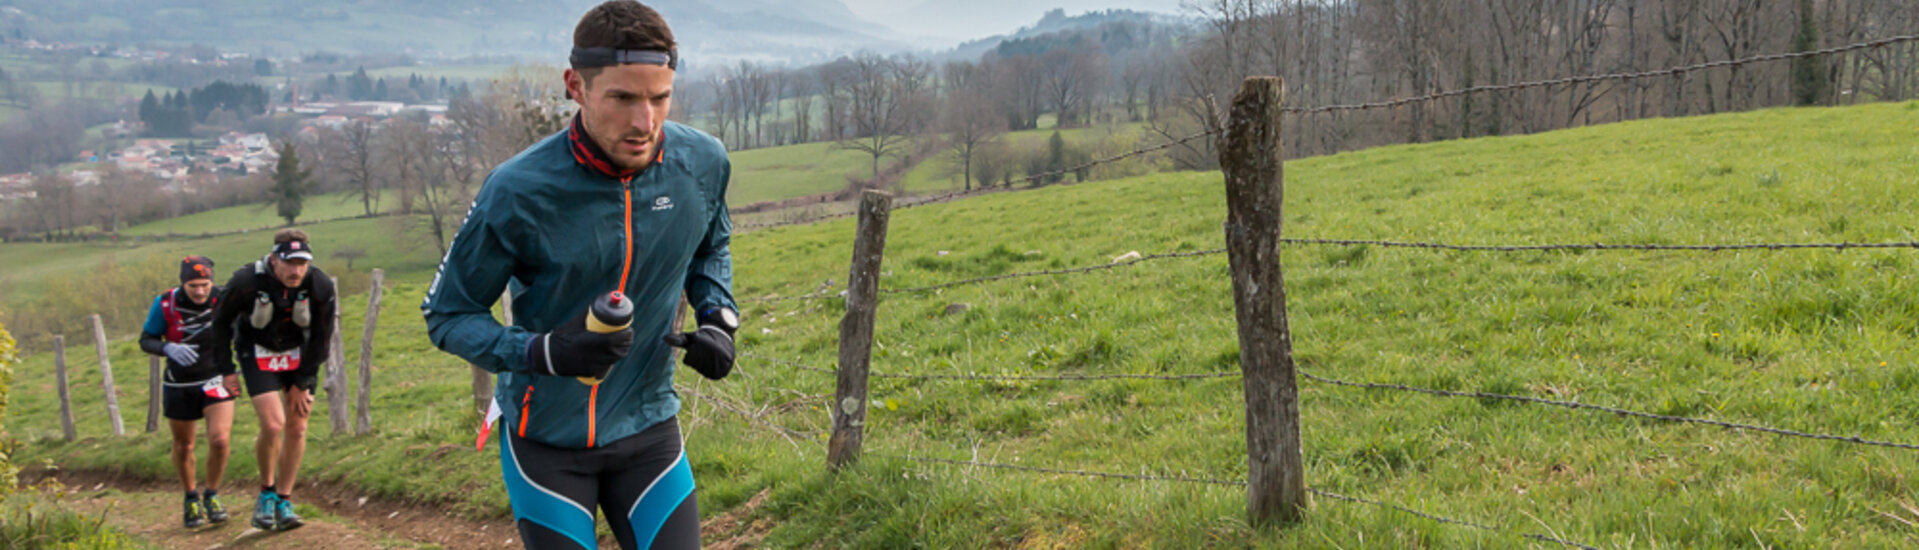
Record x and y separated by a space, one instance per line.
362 503
395 514
1133 255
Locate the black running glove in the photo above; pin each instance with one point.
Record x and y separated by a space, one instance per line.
708 350
571 350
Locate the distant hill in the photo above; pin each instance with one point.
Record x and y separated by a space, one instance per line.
1056 24
798 31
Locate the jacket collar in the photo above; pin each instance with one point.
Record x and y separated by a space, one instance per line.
589 154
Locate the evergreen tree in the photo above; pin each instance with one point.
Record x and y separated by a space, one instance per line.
379 91
1055 157
8 87
1810 77
149 107
359 86
290 183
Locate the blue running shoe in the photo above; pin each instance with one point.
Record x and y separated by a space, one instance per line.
283 517
263 510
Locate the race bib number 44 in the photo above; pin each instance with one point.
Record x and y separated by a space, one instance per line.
276 361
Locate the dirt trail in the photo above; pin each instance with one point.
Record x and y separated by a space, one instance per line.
345 520
151 510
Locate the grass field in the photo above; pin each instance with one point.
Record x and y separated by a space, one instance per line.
30 264
1816 341
321 207
775 173
939 173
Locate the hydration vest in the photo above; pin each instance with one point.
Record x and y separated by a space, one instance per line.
175 333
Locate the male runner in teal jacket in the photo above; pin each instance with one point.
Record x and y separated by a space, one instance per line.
621 200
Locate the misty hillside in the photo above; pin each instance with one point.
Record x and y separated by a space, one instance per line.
1057 24
767 30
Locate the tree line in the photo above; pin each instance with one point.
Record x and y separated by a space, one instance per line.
1344 52
906 107
221 104
1331 52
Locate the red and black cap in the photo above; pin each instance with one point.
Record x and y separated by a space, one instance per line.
195 267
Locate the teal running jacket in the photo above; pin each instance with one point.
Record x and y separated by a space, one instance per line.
554 232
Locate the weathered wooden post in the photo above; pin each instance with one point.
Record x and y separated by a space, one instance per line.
60 374
365 421
337 395
1252 159
106 375
856 330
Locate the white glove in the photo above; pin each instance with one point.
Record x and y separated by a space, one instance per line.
181 353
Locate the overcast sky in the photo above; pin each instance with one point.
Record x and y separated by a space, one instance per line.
982 18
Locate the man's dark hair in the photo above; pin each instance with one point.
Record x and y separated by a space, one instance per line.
621 24
289 235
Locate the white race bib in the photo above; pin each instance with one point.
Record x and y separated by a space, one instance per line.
214 388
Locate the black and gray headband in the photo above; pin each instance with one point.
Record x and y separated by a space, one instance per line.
588 58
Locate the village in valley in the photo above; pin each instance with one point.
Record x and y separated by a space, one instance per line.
207 153
184 165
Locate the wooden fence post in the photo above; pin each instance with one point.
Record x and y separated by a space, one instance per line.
365 416
337 395
483 380
856 330
153 394
60 373
1252 159
106 375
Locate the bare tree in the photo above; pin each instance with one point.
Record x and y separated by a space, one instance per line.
348 253
725 104
506 116
801 87
775 94
55 204
1021 91
1070 78
970 125
117 196
416 159
879 108
353 156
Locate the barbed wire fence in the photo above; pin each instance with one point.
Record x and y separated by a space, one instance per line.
850 400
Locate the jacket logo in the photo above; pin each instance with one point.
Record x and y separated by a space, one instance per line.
662 203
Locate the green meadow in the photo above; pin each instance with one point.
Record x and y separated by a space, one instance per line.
1808 340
